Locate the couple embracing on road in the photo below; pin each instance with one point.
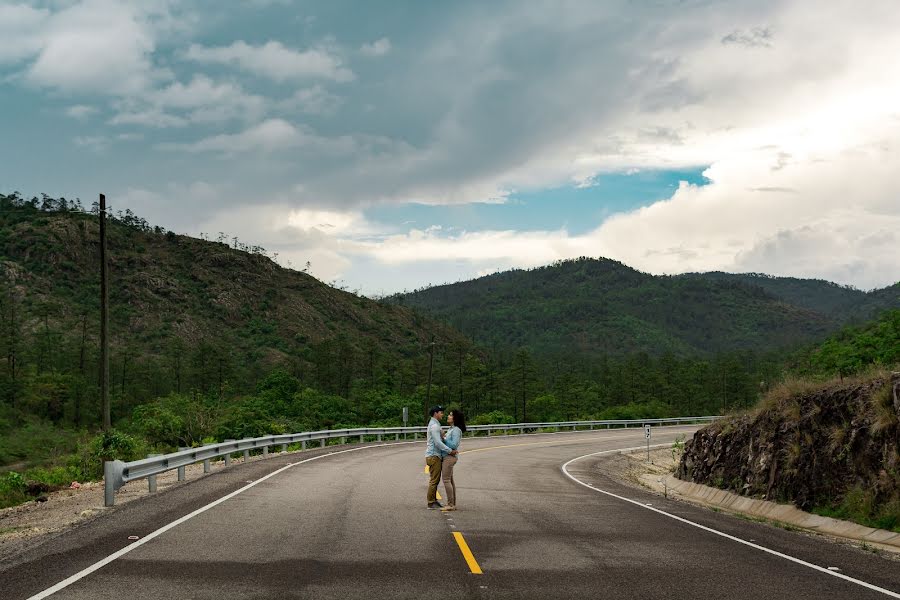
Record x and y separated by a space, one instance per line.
441 455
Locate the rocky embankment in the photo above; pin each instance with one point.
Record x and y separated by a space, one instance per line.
816 447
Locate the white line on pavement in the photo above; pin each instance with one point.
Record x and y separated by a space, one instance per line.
720 533
102 563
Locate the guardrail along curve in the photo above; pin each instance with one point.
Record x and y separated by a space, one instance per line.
117 473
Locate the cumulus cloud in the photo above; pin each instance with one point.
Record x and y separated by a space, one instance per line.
201 100
274 60
96 46
20 32
379 47
315 100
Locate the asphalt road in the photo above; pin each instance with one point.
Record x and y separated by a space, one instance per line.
354 525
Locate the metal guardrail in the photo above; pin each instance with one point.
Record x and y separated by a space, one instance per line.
117 473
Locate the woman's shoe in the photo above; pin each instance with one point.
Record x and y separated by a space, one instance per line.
448 508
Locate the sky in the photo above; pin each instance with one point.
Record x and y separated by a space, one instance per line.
394 145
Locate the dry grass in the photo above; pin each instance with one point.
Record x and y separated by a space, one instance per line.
783 397
884 413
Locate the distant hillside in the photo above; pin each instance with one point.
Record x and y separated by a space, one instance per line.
600 306
844 303
186 314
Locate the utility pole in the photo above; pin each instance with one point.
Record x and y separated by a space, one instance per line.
430 370
104 320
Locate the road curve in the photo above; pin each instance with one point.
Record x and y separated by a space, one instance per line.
353 525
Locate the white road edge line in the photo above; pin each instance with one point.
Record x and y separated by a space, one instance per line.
715 531
103 562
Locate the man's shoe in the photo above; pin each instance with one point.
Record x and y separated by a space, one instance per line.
449 508
435 506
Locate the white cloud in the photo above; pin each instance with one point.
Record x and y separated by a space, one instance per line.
148 117
268 136
20 27
202 100
274 60
315 100
379 47
81 111
274 135
96 46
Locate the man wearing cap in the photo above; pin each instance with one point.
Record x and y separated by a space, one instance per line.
433 448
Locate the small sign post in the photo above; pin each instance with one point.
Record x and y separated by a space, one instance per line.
647 435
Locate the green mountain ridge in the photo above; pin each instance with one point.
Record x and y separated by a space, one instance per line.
600 306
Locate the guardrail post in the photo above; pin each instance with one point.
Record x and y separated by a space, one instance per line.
284 447
323 443
592 426
303 445
362 439
246 455
151 479
207 467
181 469
397 437
379 439
521 430
109 490
228 456
265 452
343 439
415 435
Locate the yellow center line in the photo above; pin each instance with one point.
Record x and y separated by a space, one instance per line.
467 554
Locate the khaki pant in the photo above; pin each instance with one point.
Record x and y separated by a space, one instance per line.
447 475
434 470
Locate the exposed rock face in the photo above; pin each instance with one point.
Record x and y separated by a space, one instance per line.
808 447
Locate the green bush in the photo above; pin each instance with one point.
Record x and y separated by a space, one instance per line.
55 476
12 489
110 445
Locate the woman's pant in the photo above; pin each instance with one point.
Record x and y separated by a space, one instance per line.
447 475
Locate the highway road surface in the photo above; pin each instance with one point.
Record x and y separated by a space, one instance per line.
536 519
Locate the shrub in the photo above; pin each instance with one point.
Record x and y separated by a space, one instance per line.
12 489
110 445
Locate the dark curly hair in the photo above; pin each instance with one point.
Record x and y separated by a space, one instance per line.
459 419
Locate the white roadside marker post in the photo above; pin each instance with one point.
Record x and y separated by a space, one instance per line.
647 435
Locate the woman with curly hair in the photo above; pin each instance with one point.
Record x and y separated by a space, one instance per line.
457 422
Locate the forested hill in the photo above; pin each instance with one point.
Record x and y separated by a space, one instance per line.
600 306
842 302
187 315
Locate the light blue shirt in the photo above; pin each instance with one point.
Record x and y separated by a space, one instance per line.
434 446
452 439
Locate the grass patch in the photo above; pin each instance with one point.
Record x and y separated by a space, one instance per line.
859 506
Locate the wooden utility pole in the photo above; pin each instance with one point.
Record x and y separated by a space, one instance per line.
104 320
430 370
